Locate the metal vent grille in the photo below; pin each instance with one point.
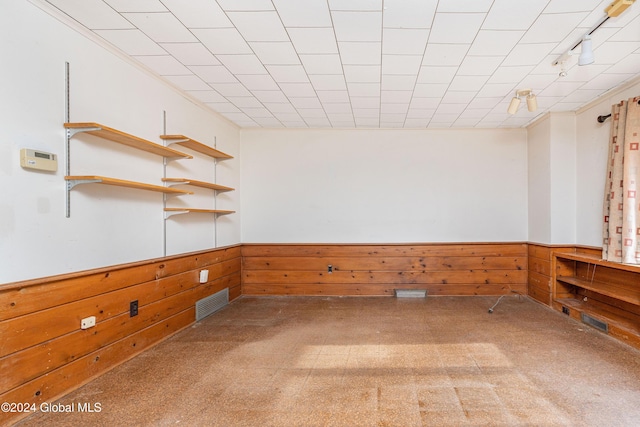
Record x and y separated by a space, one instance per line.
598 324
211 304
410 293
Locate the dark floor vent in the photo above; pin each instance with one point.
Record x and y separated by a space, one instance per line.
592 321
211 304
410 293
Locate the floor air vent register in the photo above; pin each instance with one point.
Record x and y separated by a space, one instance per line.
211 304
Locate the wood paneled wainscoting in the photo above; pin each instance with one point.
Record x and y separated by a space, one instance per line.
368 269
43 351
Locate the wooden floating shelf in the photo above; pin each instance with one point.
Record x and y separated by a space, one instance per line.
185 141
203 184
177 211
114 135
90 179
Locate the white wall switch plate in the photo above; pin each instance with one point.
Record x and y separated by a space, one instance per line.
88 322
204 276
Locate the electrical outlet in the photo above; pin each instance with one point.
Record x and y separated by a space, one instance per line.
565 310
329 268
133 308
88 322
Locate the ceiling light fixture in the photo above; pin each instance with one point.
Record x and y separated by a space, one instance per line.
586 55
532 101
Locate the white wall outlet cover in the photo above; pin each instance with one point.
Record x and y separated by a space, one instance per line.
204 276
88 322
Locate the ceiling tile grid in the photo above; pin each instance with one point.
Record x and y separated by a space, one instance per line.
370 63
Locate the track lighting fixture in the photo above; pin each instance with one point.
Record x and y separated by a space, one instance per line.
532 101
586 54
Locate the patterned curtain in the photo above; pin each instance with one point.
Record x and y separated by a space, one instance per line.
622 190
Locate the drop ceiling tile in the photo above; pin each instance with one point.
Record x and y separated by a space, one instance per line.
445 54
394 109
288 116
355 5
261 82
365 101
239 5
93 14
337 108
242 64
458 97
164 65
559 88
275 53
584 74
191 53
223 40
582 95
298 90
198 13
279 109
455 27
416 123
394 82
362 113
313 40
404 41
244 102
270 96
362 73
132 42
464 5
367 122
268 122
322 64
567 6
629 65
483 103
566 106
328 82
552 28
450 109
465 122
468 83
630 33
207 96
611 53
333 96
409 13
425 103
288 73
495 43
401 64
311 113
495 90
442 75
231 89
420 113
318 122
161 27
396 96
188 82
537 82
295 124
479 65
528 54
364 89
360 53
426 90
513 15
259 26
223 107
214 73
235 117
315 13
357 26
510 74
137 5
474 113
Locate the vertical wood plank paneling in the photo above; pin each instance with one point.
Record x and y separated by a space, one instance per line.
45 354
442 269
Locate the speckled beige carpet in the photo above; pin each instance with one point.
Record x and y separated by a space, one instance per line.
439 361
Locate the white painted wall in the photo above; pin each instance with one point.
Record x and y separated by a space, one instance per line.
365 186
539 181
592 148
563 178
108 225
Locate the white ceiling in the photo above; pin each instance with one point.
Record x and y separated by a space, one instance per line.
370 63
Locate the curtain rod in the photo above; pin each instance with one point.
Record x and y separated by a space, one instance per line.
601 119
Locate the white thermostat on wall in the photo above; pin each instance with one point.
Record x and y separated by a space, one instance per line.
39 160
